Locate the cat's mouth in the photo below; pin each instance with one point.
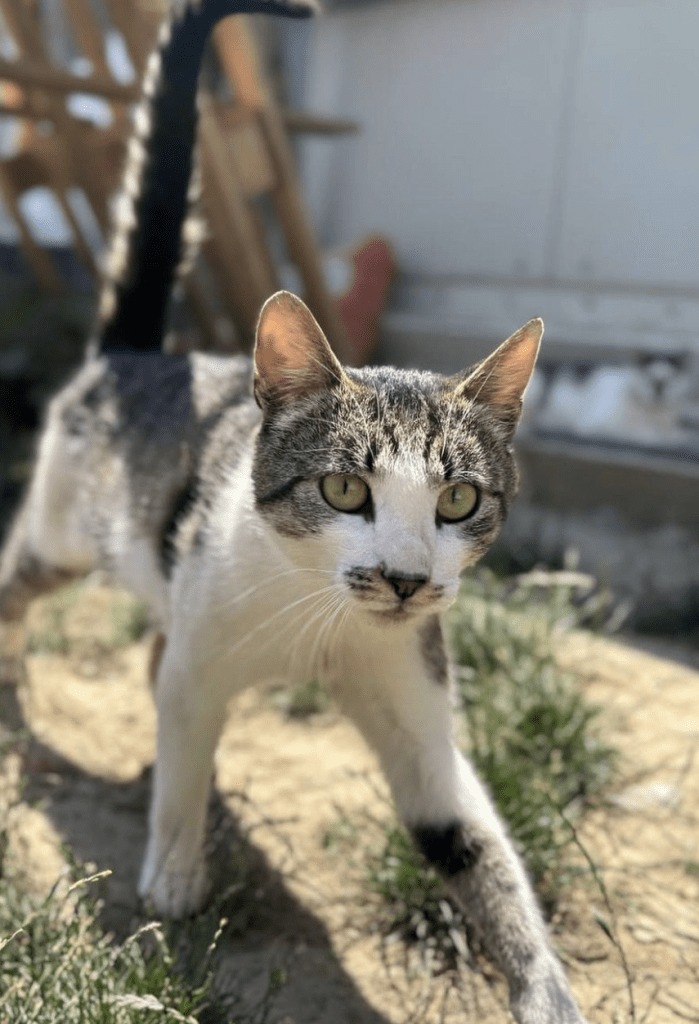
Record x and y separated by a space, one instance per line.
410 609
392 600
398 613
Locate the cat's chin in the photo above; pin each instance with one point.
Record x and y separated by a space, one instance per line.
400 615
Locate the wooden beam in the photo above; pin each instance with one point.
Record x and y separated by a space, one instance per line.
237 52
245 266
22 110
32 74
299 121
43 265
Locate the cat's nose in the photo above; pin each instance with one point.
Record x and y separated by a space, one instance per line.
404 586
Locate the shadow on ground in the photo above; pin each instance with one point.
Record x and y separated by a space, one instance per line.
274 960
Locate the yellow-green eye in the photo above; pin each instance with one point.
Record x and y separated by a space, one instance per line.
457 502
344 491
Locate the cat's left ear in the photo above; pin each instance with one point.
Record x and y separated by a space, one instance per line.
292 355
501 380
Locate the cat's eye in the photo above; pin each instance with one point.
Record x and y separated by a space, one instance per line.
457 502
344 491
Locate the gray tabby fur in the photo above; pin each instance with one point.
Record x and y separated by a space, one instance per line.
196 482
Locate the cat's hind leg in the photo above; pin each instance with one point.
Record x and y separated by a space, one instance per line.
25 574
43 549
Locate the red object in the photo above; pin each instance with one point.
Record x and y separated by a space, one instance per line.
360 308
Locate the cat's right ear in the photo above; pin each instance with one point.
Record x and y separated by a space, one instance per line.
292 355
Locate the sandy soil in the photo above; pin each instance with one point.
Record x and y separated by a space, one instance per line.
294 871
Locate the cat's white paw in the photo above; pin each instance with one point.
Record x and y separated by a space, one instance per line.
547 1001
174 893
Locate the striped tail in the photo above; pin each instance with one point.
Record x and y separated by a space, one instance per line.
144 252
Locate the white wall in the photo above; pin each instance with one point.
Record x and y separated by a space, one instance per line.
517 142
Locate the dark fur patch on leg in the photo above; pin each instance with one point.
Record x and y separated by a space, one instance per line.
432 650
156 656
446 848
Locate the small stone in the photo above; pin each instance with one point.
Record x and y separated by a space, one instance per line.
644 797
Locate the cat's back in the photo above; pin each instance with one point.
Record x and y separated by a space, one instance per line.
152 400
136 431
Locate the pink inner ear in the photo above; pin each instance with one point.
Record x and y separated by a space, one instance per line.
501 379
291 353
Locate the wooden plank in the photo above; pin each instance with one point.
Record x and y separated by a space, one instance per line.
237 52
248 277
32 73
300 237
23 109
231 118
87 35
40 261
248 150
302 122
44 163
243 155
138 25
23 26
196 297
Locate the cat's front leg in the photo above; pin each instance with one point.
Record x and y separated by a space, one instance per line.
397 695
475 857
191 712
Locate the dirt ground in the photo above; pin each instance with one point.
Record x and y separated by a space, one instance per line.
288 792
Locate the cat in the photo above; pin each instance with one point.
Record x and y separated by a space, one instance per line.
283 516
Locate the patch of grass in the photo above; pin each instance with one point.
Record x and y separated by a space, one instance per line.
531 735
49 636
61 627
130 620
305 700
57 965
342 833
419 910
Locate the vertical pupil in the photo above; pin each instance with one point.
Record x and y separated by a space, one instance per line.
345 485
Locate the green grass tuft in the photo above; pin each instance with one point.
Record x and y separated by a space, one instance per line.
130 620
54 630
305 700
532 736
57 965
415 898
50 636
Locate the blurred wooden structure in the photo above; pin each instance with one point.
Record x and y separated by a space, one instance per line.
245 154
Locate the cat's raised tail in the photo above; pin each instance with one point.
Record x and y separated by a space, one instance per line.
147 240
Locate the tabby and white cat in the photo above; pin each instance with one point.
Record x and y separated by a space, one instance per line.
284 518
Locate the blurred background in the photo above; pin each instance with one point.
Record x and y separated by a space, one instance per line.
430 174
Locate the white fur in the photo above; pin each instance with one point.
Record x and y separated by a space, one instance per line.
247 604
53 524
254 605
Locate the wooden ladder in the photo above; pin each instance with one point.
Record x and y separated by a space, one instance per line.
245 154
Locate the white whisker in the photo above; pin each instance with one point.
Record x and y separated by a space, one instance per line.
228 652
334 608
322 614
259 586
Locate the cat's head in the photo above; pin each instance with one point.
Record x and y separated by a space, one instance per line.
393 481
